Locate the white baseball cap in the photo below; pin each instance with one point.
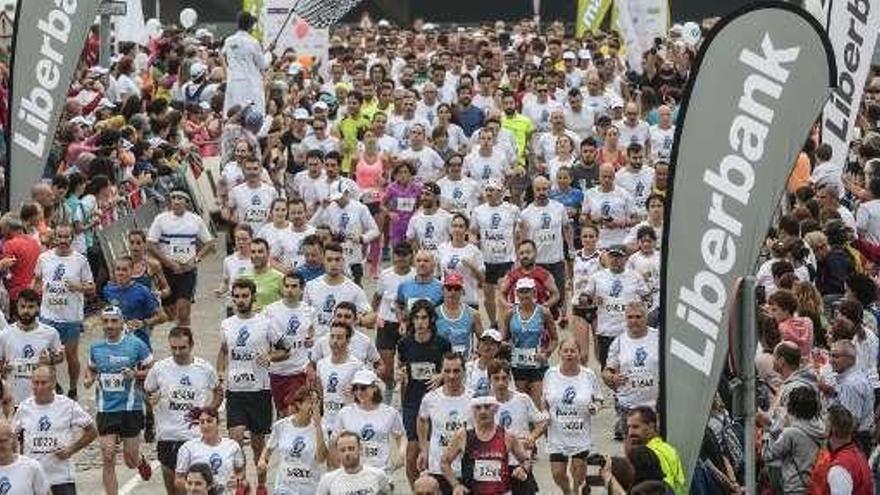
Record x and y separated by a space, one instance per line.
493 334
301 114
585 54
525 283
364 377
568 56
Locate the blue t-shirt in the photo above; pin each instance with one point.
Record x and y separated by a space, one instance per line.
571 199
114 392
457 331
526 337
412 290
136 301
310 273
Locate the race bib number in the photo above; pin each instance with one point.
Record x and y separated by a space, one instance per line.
460 349
371 450
296 472
498 248
182 249
112 382
244 378
422 371
641 379
545 237
181 399
44 444
614 306
406 204
524 358
332 405
56 294
572 426
255 215
487 470
24 367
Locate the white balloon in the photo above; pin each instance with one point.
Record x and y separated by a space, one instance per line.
154 28
188 17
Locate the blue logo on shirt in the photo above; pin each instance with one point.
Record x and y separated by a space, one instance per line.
185 381
545 221
299 445
27 351
453 261
344 220
641 356
640 188
255 200
243 336
429 230
569 395
292 325
329 303
215 461
457 193
505 419
616 288
605 209
368 432
495 221
332 383
44 424
58 274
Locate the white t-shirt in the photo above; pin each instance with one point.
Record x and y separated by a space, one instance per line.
375 428
615 291
235 267
324 298
447 415
234 175
544 225
516 414
584 268
568 399
459 196
297 472
868 221
293 325
539 113
24 476
496 226
326 145
640 134
581 123
284 243
482 168
637 183
252 205
180 389
429 230
223 458
546 144
428 164
48 428
21 350
311 190
616 204
632 237
386 289
367 481
60 304
245 339
662 141
361 347
648 266
335 379
451 260
178 236
352 220
639 361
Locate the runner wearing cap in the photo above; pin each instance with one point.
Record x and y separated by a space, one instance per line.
379 426
293 320
531 331
351 221
457 322
118 364
26 344
463 258
53 428
484 452
388 331
175 386
420 353
494 224
300 443
458 193
610 290
65 278
180 240
443 411
429 226
476 370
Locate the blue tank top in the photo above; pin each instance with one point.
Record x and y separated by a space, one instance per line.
456 331
525 337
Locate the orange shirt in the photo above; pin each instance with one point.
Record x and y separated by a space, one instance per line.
800 174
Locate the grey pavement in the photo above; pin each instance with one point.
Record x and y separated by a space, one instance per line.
207 313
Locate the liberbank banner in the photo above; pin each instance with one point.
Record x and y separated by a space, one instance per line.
48 38
762 77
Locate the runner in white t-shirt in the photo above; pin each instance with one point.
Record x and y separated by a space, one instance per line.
458 193
19 475
443 411
429 226
224 455
65 278
299 229
353 476
463 257
486 161
646 262
175 386
609 207
635 178
385 304
328 290
53 428
334 374
633 366
250 202
279 235
361 345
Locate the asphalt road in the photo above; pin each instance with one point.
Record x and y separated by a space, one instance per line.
206 317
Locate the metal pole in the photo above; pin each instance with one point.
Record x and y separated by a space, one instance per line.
104 57
748 342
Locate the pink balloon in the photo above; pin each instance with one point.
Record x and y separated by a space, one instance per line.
301 28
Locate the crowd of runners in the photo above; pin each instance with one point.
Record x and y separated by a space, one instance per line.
443 256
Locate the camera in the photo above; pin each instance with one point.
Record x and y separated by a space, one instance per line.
596 460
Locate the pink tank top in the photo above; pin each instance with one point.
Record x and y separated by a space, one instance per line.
369 178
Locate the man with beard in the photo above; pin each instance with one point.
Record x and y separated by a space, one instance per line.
267 279
466 114
353 476
546 292
26 344
635 178
641 426
248 346
578 118
609 207
546 222
250 201
65 278
175 386
517 124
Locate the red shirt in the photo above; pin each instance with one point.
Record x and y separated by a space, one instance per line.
543 282
485 464
25 249
853 460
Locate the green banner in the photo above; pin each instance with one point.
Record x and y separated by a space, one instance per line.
257 8
590 15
